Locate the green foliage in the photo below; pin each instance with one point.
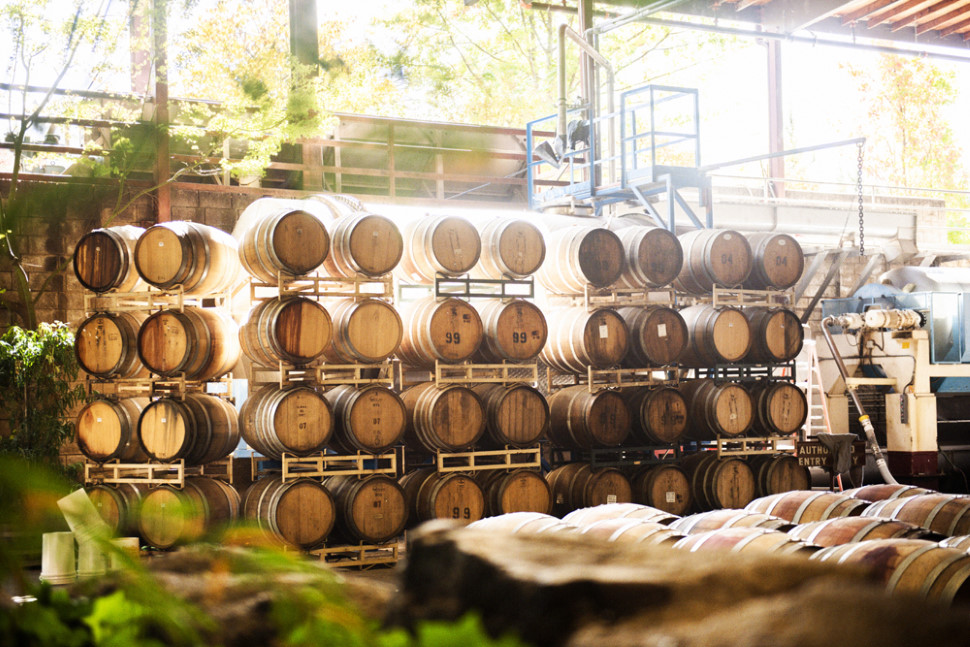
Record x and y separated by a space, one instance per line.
37 371
55 619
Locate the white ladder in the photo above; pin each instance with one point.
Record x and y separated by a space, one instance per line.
817 420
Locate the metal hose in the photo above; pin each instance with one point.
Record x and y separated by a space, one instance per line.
863 417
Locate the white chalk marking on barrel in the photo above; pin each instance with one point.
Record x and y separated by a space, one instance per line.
661 330
671 497
611 498
604 331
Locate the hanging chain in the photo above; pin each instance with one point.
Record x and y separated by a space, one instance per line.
862 220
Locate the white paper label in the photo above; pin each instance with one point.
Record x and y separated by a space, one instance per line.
782 243
604 331
611 498
164 420
99 419
161 243
671 497
661 330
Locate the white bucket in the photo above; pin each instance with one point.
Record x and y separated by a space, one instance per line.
91 561
83 517
57 558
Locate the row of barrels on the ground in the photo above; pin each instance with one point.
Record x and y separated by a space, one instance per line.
301 420
204 343
913 540
276 238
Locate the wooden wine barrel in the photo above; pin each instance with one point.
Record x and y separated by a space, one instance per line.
779 473
715 335
448 331
586 516
514 330
717 519
294 330
653 257
118 505
451 419
283 239
521 490
108 430
579 419
372 509
579 339
170 516
716 409
658 415
883 491
370 418
202 343
300 513
363 243
511 248
104 259
632 531
106 345
295 420
780 407
201 259
848 530
945 514
577 485
515 414
909 566
718 482
448 245
777 261
803 506
578 256
524 523
434 495
776 335
365 331
960 542
199 429
744 539
658 336
664 487
713 257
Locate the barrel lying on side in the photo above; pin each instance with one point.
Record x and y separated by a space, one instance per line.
653 257
515 414
448 331
779 473
199 258
744 539
521 490
202 343
361 242
883 491
434 495
664 487
945 514
450 419
371 510
511 248
780 407
718 482
713 257
281 238
294 330
579 419
716 409
118 505
802 506
585 516
364 331
108 430
632 531
579 256
577 485
300 512
525 523
514 330
171 516
658 336
849 530
658 415
106 345
776 335
729 518
296 421
200 429
777 261
716 335
104 259
370 419
448 245
579 339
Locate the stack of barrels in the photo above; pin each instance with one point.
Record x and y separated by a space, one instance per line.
699 337
482 330
191 344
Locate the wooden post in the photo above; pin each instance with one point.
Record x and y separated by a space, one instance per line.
162 170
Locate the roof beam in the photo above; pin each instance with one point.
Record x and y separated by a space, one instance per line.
959 27
924 14
892 12
955 13
867 10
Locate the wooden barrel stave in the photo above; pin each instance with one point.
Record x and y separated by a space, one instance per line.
779 473
579 339
743 539
296 421
585 516
579 256
516 414
511 248
170 516
658 336
713 257
777 261
803 506
653 257
448 331
944 514
658 415
525 523
718 335
450 419
579 419
883 491
293 330
777 335
108 429
631 531
663 487
846 530
200 429
729 518
448 245
520 490
200 343
372 509
106 345
199 258
716 409
514 331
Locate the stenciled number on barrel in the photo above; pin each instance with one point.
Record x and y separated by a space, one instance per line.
452 338
519 337
461 513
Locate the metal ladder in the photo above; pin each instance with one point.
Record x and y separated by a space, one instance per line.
817 420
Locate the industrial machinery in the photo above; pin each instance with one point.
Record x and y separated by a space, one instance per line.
903 342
